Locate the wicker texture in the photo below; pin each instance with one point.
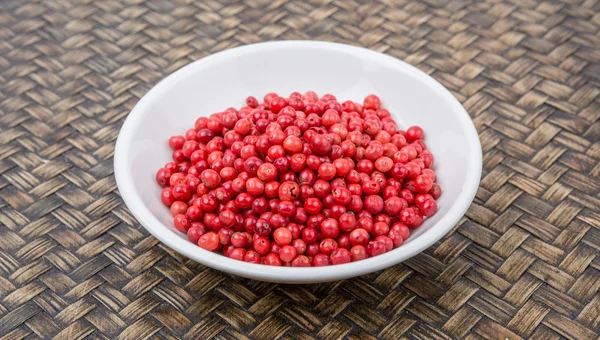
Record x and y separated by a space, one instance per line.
523 263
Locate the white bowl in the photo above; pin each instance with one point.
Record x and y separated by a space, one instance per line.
225 79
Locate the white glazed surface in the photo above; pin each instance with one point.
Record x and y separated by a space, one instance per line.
225 79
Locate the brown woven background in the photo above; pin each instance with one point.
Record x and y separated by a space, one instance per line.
524 262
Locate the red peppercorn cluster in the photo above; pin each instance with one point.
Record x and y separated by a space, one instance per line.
299 181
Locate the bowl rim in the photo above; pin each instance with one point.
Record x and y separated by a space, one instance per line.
294 274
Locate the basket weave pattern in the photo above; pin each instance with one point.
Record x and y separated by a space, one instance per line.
523 263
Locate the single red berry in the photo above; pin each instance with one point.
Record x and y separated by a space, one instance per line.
320 144
320 260
301 261
407 195
210 178
435 191
342 167
365 223
178 207
262 226
287 253
380 228
166 197
347 222
194 213
252 102
243 201
177 178
289 176
402 229
418 220
238 254
301 216
341 195
176 142
372 102
272 259
261 245
189 147
178 156
240 239
182 222
340 256
292 144
313 206
384 164
251 165
242 127
163 177
355 189
328 245
277 103
266 172
375 248
428 208
289 191
300 246
252 257
330 228
313 162
343 241
327 171
365 166
371 187
306 176
430 173
390 191
357 253
297 164
322 188
255 187
394 205
209 241
373 204
182 192
272 189
283 236
413 133
359 236
356 204
287 209
423 183
374 151
309 235
400 157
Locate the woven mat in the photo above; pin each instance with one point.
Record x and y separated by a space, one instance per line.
523 263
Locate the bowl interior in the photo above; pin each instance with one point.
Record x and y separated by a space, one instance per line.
226 79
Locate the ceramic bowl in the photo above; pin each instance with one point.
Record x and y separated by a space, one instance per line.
225 79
